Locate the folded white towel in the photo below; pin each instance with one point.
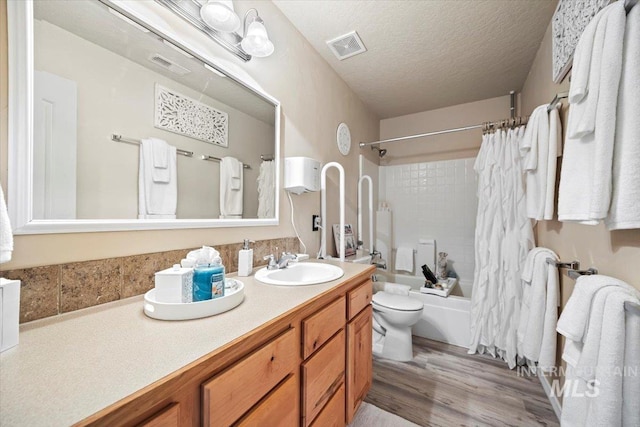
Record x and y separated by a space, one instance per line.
582 61
536 162
588 360
575 315
539 309
158 152
404 259
231 189
624 211
585 181
606 409
395 288
156 199
631 383
6 234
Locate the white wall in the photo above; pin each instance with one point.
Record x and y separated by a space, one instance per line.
123 103
434 200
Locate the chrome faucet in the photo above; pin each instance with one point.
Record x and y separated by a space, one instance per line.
283 262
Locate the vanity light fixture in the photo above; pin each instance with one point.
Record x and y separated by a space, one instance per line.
220 15
218 20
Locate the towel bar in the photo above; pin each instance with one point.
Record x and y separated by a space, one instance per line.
574 274
119 138
218 159
573 265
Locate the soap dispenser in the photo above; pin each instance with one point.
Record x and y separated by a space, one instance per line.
245 259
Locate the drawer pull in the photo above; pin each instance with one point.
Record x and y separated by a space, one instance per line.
273 358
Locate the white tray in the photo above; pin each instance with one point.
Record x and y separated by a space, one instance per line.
451 281
193 310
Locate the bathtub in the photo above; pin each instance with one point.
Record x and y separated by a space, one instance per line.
443 319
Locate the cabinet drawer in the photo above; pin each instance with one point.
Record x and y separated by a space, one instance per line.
359 298
322 375
333 414
279 409
227 396
319 327
168 417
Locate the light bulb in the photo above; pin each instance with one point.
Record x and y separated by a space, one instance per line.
219 15
256 42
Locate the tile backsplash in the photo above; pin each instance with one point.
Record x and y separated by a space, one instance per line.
55 289
434 200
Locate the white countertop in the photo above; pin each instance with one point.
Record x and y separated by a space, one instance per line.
68 367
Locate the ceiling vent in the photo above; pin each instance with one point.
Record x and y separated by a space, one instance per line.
168 64
346 46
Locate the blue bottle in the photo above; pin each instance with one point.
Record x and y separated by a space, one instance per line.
208 282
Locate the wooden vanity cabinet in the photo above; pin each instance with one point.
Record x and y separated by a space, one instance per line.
309 367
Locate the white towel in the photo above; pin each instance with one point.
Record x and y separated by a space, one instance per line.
555 150
606 409
394 288
6 234
266 190
539 309
159 154
404 259
156 199
624 211
231 188
536 138
585 181
588 360
631 383
575 315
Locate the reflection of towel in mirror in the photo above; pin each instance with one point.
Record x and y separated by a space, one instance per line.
157 187
266 190
6 235
231 188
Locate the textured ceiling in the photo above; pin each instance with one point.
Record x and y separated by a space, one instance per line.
427 54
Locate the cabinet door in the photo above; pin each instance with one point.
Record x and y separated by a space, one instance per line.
322 376
359 360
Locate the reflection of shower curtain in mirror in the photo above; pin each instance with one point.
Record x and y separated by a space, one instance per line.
503 237
266 190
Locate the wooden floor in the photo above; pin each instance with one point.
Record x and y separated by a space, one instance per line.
444 386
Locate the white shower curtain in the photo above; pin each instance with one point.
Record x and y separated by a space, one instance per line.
503 237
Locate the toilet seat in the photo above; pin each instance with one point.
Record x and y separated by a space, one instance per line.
396 302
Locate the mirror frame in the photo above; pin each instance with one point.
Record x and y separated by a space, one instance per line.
20 145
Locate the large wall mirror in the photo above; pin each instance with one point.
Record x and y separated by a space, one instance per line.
98 98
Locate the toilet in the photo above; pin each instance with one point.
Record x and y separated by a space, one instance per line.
393 317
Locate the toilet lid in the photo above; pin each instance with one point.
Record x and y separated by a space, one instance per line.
397 302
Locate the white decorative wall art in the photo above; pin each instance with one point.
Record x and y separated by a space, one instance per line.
569 20
180 114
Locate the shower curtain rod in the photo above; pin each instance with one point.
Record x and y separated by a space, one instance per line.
552 104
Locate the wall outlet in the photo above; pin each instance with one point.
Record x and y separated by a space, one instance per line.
315 222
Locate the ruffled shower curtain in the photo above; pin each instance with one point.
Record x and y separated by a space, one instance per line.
503 237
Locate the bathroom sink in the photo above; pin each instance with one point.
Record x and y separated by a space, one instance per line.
300 274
